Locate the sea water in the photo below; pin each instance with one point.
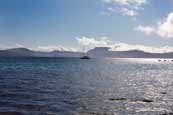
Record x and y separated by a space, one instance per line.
71 86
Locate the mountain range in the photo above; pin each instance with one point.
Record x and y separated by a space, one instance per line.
98 52
24 52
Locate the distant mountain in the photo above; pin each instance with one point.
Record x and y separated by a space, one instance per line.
98 52
24 52
101 52
17 52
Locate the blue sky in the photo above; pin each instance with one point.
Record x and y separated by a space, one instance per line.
57 23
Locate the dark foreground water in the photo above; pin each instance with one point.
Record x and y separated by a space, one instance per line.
49 86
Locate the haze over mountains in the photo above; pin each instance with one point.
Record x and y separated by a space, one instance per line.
24 52
104 52
98 52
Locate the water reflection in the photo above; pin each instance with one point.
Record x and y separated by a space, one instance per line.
71 86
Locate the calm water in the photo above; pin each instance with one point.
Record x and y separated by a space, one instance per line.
49 86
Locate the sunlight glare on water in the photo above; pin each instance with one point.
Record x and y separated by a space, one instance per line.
145 60
44 86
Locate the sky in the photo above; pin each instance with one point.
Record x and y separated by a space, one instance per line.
68 24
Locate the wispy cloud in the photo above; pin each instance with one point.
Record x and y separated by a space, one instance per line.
163 29
128 12
109 11
50 48
18 45
2 47
134 4
91 42
123 11
146 29
127 7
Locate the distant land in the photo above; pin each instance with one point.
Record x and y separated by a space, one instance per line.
98 52
24 52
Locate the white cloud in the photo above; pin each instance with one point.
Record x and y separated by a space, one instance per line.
108 11
17 45
135 4
128 12
146 29
124 11
163 29
127 7
90 43
53 48
111 9
150 49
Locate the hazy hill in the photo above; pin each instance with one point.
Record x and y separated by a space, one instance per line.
17 52
24 52
98 52
104 52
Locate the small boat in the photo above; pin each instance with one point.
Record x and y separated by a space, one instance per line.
85 57
84 54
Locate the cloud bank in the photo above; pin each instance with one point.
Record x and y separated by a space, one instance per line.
162 29
91 43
